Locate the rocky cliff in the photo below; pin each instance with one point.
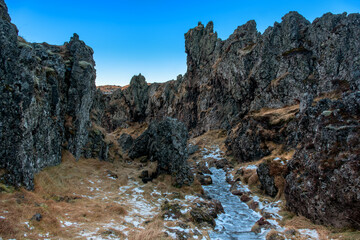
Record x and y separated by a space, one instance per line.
46 95
258 87
323 183
228 78
295 87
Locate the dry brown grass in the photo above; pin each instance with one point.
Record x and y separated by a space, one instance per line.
248 173
148 234
55 200
134 129
253 179
300 222
211 138
119 210
277 150
277 116
280 184
274 83
7 229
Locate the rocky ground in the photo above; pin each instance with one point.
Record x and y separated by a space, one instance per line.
92 199
104 200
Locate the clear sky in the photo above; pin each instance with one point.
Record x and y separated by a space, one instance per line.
132 36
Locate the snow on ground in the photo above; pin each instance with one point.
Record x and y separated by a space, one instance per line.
251 167
310 234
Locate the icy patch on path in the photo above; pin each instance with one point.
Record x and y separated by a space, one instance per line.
238 219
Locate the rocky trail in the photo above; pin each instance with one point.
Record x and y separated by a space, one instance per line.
109 201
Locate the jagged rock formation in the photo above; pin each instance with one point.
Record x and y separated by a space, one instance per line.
256 86
280 88
166 143
228 78
324 178
267 181
47 93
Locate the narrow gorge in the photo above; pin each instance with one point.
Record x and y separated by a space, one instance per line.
259 139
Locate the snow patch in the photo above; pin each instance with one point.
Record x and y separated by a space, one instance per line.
312 234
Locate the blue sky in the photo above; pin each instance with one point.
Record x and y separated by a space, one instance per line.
131 36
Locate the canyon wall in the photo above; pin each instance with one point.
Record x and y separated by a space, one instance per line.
46 95
270 90
295 86
226 79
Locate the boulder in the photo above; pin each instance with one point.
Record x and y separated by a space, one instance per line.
165 142
266 180
204 180
200 216
125 141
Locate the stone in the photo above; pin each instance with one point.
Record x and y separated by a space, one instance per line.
274 235
165 142
245 198
204 180
222 163
262 221
112 174
323 178
254 205
200 216
267 181
45 102
36 217
237 192
193 149
216 204
96 146
125 141
202 168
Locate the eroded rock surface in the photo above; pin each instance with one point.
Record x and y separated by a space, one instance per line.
46 96
247 72
324 178
166 143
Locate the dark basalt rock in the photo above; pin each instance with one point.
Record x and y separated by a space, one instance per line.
200 215
266 180
202 168
96 146
45 100
323 183
204 180
125 141
36 217
193 149
227 79
165 142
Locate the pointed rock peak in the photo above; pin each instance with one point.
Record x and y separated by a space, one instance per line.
200 26
294 15
138 80
75 37
4 15
250 26
210 27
